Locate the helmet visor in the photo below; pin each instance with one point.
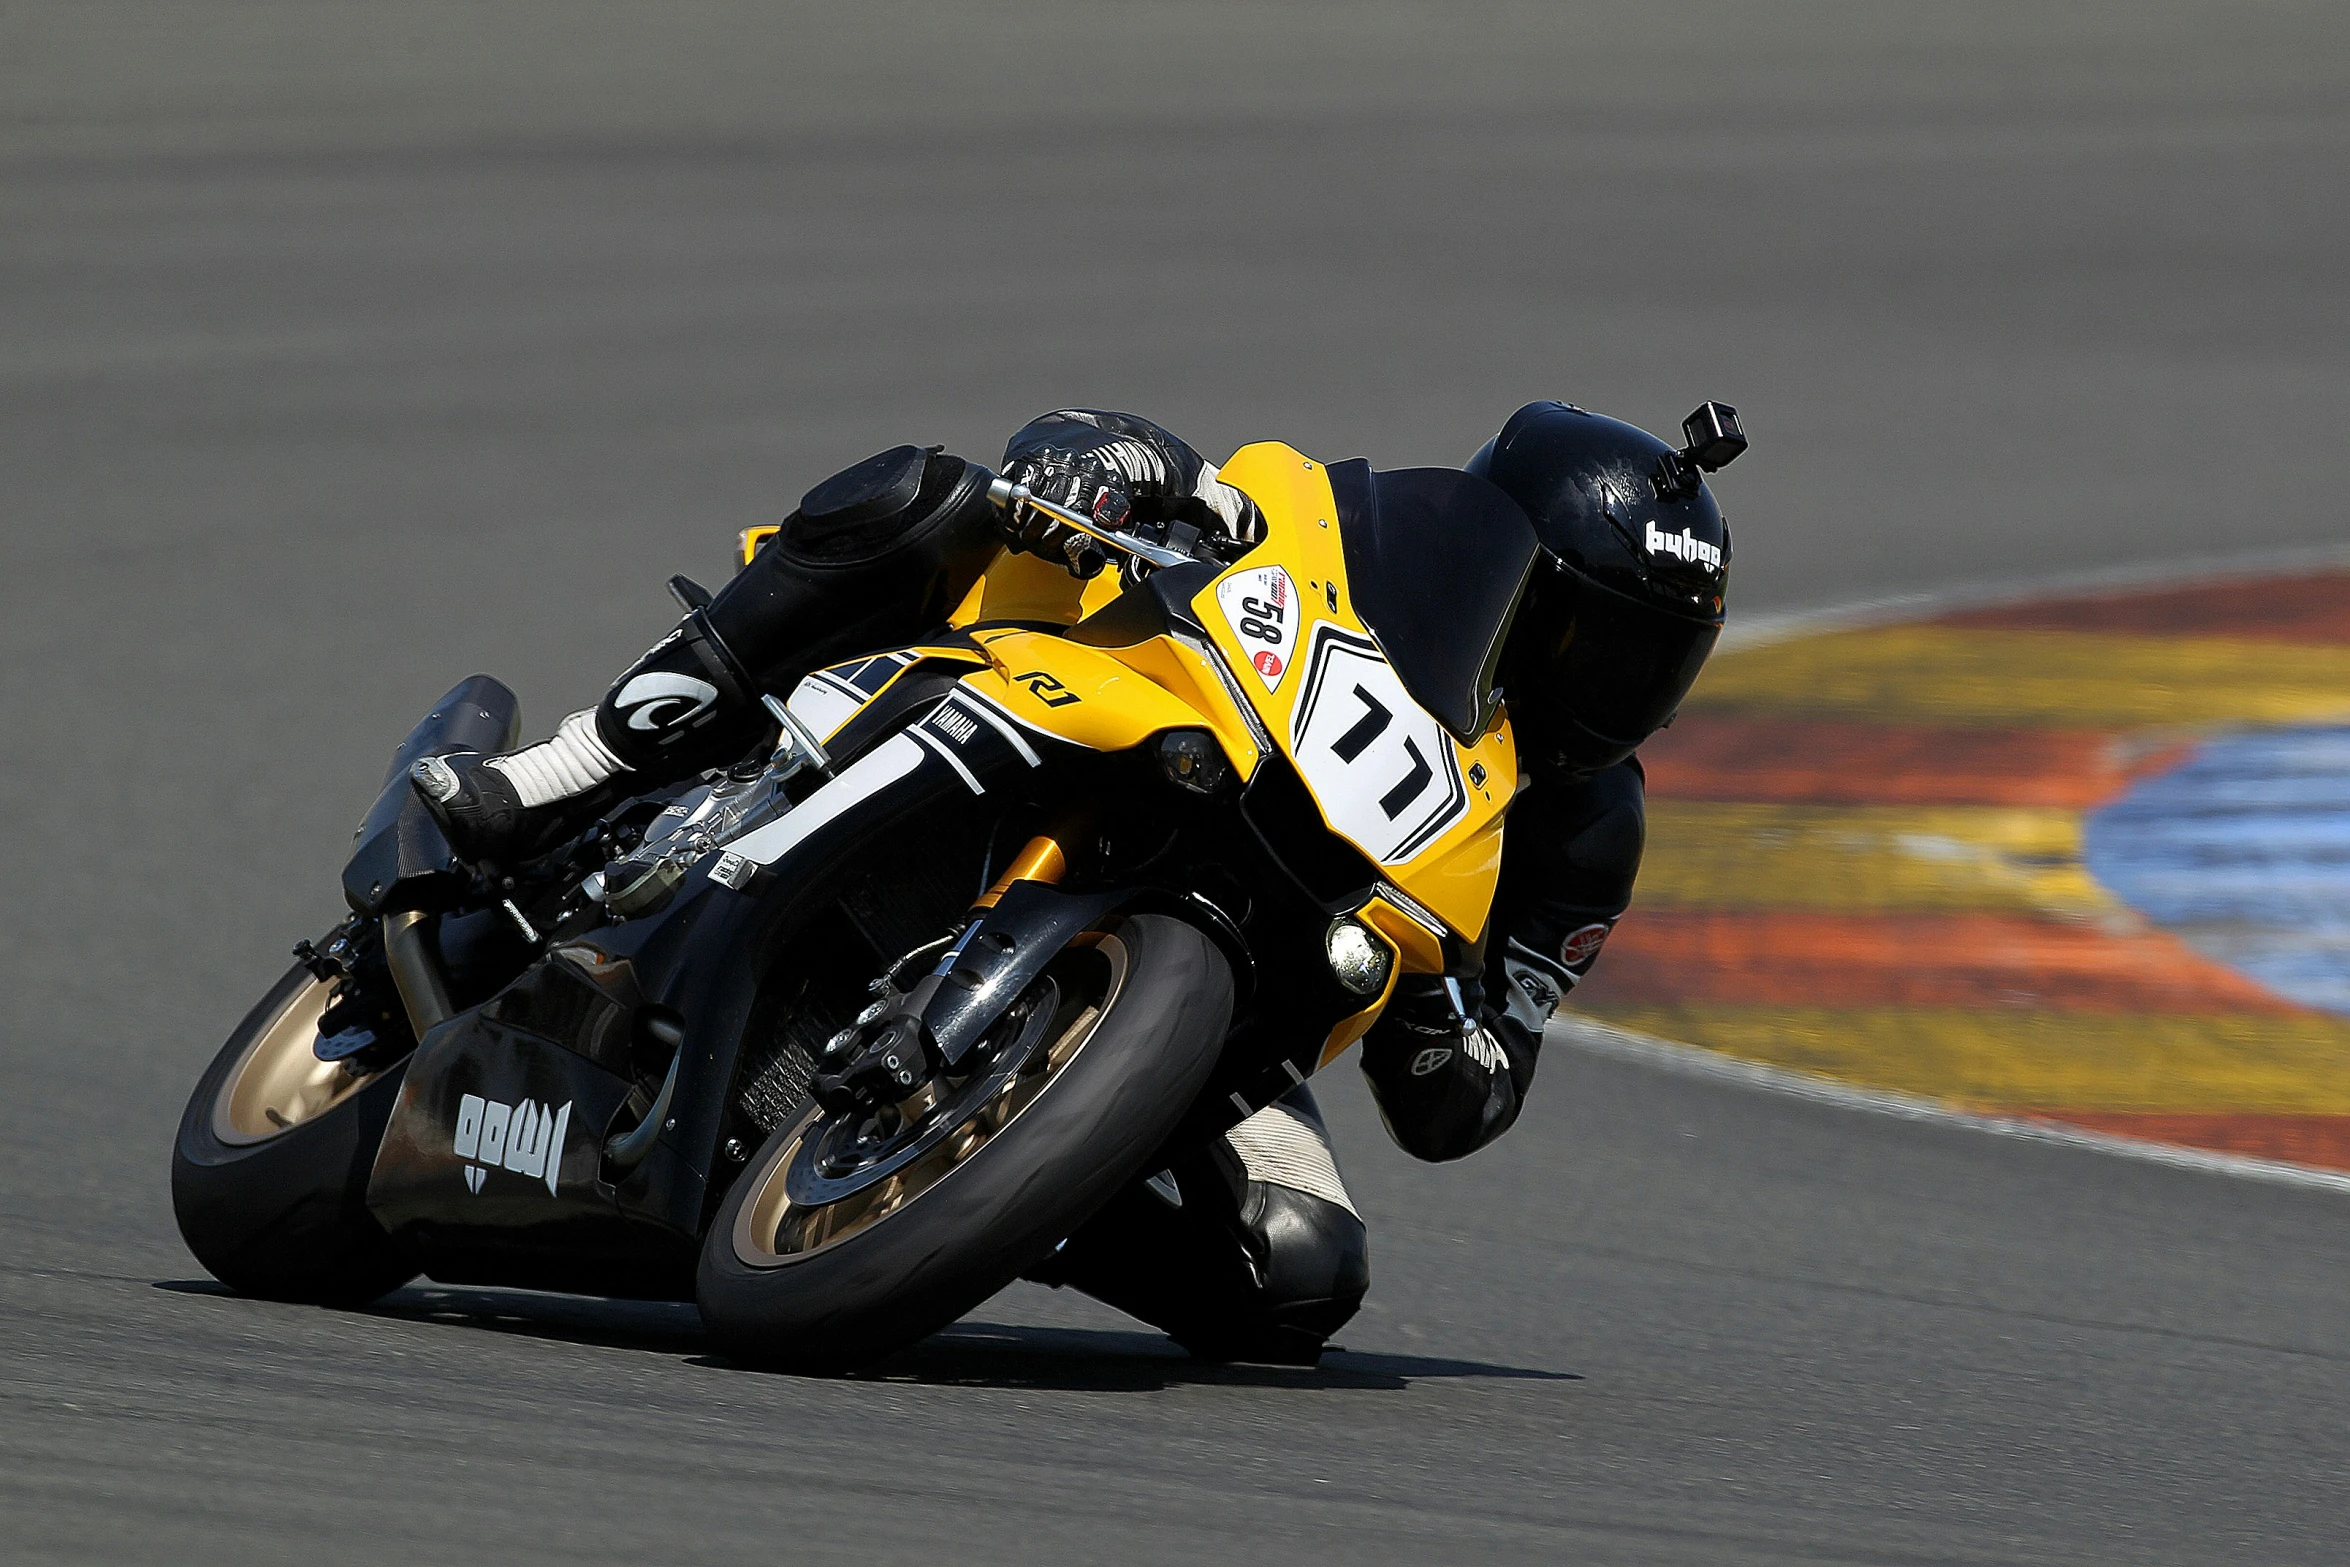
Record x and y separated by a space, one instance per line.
1627 665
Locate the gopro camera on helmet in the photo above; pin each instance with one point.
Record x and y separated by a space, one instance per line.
1714 437
1714 443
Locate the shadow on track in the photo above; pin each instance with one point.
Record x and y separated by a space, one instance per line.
968 1354
986 1354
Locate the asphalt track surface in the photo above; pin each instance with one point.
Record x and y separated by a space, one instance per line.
343 351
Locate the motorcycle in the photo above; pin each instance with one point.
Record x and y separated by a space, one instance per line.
840 1041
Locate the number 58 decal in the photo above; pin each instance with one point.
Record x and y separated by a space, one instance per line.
1261 607
1379 764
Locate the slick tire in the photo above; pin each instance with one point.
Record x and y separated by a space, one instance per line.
903 1276
280 1211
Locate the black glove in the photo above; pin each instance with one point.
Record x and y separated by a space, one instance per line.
1093 483
1096 482
1446 1090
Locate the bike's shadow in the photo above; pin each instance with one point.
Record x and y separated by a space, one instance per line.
968 1354
1002 1355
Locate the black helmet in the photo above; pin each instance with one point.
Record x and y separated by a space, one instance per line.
1619 619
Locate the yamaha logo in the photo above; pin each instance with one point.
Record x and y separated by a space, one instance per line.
526 1138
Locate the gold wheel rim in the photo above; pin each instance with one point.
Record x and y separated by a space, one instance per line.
770 1231
278 1082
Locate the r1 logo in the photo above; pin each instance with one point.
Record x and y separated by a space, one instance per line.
1046 689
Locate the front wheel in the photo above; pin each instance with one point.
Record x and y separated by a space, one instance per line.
842 1243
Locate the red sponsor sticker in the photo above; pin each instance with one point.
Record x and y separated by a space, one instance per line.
1269 664
1582 946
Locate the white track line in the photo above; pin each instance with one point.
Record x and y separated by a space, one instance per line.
1603 1039
1780 625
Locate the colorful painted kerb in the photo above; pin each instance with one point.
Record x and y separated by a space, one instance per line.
2087 859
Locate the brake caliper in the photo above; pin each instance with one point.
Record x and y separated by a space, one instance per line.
867 1072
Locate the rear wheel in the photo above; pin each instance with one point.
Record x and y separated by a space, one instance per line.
843 1242
269 1172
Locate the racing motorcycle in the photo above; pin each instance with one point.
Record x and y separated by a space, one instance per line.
840 1041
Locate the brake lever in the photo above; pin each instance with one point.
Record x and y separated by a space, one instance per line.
1009 498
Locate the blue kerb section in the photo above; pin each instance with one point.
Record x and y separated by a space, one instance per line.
2243 850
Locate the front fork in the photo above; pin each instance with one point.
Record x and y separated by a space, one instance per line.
416 972
896 1046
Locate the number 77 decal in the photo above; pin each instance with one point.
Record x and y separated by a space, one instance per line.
1376 717
1379 765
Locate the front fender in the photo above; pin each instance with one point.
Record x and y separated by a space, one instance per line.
998 955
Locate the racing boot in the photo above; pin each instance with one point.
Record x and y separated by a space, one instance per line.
683 707
1251 1250
514 807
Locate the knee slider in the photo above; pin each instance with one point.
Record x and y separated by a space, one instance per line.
1316 1254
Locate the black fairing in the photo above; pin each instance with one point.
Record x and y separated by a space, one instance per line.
1438 559
1156 606
402 861
582 1028
473 1218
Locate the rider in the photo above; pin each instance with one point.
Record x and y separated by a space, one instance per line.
1252 1249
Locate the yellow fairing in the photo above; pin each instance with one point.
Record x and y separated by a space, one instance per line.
1418 950
1453 871
1087 696
1032 588
1446 853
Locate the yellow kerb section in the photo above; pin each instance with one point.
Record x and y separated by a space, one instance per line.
1950 675
1867 858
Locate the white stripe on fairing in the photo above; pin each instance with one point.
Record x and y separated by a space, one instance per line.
945 753
840 685
824 705
1004 723
1602 1039
871 773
